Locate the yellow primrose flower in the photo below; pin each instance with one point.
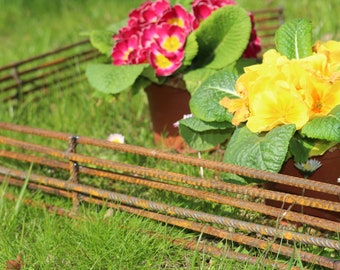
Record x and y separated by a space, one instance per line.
295 77
281 91
322 97
245 82
273 58
317 65
237 106
274 106
330 48
332 51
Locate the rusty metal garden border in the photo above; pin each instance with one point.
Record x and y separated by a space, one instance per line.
38 74
78 165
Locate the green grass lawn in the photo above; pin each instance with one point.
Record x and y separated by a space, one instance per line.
123 241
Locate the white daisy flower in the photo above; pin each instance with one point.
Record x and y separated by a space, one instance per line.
116 137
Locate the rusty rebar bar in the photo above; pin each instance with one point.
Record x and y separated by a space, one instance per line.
240 238
55 66
208 164
327 205
205 217
73 169
216 232
52 52
204 195
173 210
207 183
268 210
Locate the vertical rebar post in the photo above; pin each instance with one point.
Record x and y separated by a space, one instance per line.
74 169
18 81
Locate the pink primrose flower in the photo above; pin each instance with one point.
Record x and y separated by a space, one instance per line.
203 8
156 10
126 33
156 34
164 64
254 46
171 38
215 3
180 17
129 51
149 36
148 13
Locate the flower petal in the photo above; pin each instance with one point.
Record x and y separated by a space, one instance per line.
271 107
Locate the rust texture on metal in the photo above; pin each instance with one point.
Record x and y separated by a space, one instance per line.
36 75
208 164
79 166
41 182
201 194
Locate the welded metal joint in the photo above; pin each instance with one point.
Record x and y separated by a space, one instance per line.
72 144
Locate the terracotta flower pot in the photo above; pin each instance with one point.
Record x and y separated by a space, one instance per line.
168 103
329 173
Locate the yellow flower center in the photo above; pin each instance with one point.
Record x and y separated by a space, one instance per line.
171 44
127 53
162 61
176 21
317 107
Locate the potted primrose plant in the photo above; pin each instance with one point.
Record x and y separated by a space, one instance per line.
283 112
168 49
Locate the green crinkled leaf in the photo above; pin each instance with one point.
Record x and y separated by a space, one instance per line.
222 37
324 127
102 41
204 103
150 74
113 79
200 126
294 39
194 78
203 140
300 148
190 50
260 151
